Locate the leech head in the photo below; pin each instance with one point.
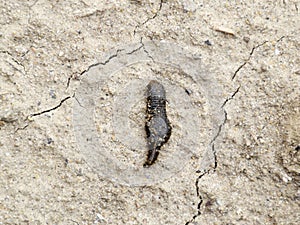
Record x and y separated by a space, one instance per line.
158 128
154 88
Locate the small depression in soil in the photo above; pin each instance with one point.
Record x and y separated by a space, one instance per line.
110 114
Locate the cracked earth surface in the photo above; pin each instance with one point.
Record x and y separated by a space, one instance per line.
252 50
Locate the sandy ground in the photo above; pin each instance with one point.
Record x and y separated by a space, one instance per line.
239 162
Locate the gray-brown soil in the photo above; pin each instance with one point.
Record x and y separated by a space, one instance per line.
251 50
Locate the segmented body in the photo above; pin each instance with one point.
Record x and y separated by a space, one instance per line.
158 128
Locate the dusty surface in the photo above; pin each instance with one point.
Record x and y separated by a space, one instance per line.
251 50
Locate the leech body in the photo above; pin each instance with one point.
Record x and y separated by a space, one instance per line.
158 128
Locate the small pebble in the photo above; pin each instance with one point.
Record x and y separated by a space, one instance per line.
208 42
49 141
286 178
246 39
52 94
188 91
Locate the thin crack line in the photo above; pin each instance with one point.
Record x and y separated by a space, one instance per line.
69 80
248 59
16 61
231 97
21 128
214 155
73 76
106 61
148 19
220 128
95 64
280 39
207 171
145 50
148 54
4 51
102 63
78 101
218 134
135 50
33 4
199 196
250 55
51 109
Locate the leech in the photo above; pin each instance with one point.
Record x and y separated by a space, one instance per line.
158 128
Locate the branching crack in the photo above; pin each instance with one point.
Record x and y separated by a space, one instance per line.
51 109
137 49
150 18
202 173
21 128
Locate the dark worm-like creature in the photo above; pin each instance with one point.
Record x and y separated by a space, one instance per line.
158 127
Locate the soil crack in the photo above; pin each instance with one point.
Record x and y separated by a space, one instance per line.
93 65
145 50
202 173
251 54
74 76
231 97
16 61
248 59
150 18
137 49
102 63
51 109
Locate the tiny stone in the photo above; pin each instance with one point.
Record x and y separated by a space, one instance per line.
52 94
263 68
246 39
208 42
286 178
188 91
49 141
189 6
